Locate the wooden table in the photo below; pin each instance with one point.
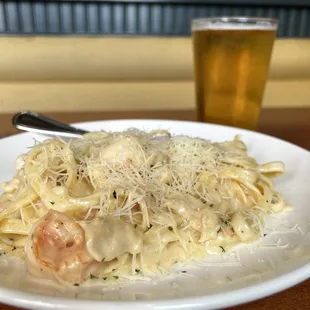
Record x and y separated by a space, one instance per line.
289 124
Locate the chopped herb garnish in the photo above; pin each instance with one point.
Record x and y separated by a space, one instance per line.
103 259
104 278
135 226
226 222
52 202
76 284
137 270
93 277
151 166
219 230
183 271
13 249
170 228
211 205
265 235
115 277
223 250
242 231
114 194
113 269
229 279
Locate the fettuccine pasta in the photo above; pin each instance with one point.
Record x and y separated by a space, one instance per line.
132 203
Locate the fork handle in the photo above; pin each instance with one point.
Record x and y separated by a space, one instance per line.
33 122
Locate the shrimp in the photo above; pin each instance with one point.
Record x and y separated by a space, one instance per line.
56 249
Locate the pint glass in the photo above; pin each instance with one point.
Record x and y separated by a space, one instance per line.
231 61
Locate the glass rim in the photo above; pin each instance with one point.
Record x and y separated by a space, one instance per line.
237 19
227 22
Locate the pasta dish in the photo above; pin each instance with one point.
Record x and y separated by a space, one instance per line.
123 204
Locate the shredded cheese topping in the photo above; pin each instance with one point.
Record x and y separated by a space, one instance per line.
132 203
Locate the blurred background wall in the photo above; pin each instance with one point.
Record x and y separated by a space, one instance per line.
132 55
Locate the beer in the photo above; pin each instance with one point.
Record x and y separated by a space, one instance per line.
231 68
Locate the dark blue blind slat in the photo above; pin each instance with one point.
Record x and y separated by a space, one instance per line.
160 18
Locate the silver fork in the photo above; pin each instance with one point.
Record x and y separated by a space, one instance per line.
33 122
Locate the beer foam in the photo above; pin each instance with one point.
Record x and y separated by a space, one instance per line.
222 25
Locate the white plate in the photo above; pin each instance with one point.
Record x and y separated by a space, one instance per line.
244 274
